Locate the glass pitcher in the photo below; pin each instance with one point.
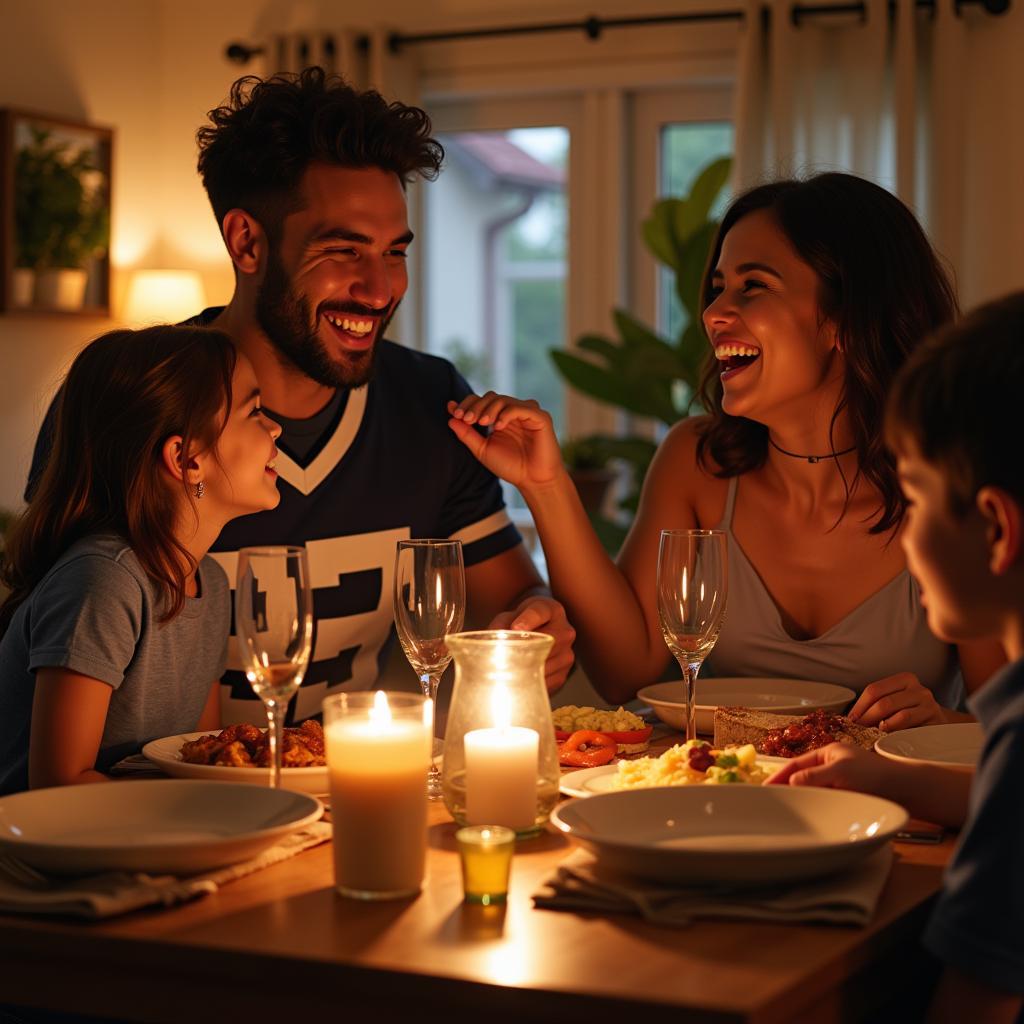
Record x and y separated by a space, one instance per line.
500 755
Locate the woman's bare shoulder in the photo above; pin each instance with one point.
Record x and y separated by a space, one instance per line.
679 475
681 447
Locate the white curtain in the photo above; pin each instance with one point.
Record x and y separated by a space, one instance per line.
882 97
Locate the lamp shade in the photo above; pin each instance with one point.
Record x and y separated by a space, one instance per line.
163 297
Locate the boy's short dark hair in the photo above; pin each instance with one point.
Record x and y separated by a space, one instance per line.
959 398
259 144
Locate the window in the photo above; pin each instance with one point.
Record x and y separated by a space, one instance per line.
675 134
686 148
496 225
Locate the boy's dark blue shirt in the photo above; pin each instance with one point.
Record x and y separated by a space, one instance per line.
978 923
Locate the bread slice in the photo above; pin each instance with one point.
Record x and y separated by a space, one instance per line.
736 726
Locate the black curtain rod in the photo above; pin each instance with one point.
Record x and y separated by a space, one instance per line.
593 27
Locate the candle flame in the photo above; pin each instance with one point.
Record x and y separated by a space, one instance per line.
501 706
380 713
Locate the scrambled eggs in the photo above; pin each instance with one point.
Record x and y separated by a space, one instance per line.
571 718
683 765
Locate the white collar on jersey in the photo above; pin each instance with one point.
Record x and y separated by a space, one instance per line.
307 480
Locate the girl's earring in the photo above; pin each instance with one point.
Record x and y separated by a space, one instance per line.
200 489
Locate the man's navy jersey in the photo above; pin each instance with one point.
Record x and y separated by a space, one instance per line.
388 469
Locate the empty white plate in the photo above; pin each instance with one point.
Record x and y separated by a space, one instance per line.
957 745
740 834
160 826
779 696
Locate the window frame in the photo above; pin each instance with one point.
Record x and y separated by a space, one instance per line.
602 92
652 112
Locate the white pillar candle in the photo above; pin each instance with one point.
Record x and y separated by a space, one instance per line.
501 777
378 772
501 770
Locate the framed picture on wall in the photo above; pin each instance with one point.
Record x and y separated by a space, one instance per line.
55 188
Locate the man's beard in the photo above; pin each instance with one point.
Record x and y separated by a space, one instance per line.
287 320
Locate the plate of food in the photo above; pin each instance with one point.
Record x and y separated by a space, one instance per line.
781 696
686 764
590 737
752 835
159 826
786 736
239 753
956 745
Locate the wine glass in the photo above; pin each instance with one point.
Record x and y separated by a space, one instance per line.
692 583
274 624
430 603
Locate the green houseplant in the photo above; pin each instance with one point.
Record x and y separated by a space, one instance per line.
60 212
639 371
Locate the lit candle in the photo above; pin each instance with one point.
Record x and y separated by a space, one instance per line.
378 775
501 770
486 855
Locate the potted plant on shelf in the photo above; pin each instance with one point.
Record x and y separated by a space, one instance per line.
61 221
639 371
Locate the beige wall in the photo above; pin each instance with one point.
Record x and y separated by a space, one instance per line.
151 69
56 58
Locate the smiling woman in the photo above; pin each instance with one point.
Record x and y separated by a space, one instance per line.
817 290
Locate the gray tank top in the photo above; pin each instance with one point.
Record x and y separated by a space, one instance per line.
885 634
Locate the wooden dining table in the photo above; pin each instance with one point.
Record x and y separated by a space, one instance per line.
283 945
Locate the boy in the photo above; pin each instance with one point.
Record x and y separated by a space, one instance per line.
953 421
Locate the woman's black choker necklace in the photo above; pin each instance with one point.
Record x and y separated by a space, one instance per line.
811 458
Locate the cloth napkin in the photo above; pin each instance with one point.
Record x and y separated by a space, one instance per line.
136 765
117 892
850 898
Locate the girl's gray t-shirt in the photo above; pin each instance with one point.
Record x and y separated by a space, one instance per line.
96 612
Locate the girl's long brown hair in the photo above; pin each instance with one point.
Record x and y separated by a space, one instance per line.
126 393
883 287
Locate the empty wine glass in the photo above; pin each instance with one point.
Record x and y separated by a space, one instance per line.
274 624
692 584
430 603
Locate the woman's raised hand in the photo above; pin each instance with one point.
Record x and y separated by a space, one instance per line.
521 447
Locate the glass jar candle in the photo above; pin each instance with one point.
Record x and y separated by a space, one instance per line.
500 755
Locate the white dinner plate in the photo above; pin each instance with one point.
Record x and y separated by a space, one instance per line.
160 826
957 745
591 781
166 754
736 834
779 696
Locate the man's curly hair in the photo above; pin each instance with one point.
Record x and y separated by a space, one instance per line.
258 145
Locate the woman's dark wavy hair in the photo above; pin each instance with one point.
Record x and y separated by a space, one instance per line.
881 285
258 145
125 394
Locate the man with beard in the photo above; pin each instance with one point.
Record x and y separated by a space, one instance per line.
307 177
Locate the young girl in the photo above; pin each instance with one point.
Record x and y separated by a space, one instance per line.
115 630
816 291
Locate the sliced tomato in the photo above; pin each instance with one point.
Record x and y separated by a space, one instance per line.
629 736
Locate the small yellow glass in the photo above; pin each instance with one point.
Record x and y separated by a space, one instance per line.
486 853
